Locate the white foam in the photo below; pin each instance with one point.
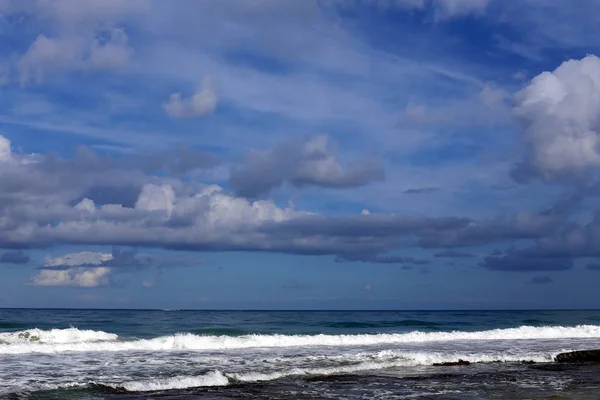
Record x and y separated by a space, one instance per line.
213 378
55 336
416 358
260 377
390 360
74 340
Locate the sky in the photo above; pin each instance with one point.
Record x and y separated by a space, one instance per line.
307 154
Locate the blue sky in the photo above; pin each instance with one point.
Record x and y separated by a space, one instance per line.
361 154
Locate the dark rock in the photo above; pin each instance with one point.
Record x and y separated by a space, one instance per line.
451 364
579 356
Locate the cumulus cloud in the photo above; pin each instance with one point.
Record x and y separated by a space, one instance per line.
75 276
14 257
560 113
89 269
202 102
300 162
82 269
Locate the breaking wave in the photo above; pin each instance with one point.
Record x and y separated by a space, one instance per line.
55 336
342 364
75 340
213 378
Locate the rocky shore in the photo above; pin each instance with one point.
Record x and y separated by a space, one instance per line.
578 356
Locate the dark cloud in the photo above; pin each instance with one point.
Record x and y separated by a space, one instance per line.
593 266
541 280
452 254
521 261
421 190
301 162
381 259
525 225
14 257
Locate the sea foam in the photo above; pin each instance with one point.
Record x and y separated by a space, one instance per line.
74 340
212 378
55 336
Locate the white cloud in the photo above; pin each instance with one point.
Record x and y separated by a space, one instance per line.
202 102
104 50
156 197
5 151
560 111
86 205
85 35
82 269
77 276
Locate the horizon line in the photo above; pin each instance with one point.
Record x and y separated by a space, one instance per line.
298 309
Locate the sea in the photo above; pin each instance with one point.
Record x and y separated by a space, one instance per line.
219 355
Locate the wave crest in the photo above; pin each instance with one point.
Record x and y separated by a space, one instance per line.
75 340
55 336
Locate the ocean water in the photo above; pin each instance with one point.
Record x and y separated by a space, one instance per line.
173 354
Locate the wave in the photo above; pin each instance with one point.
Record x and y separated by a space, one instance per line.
55 336
75 340
344 364
212 378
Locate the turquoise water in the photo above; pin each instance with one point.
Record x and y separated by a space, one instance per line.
118 354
